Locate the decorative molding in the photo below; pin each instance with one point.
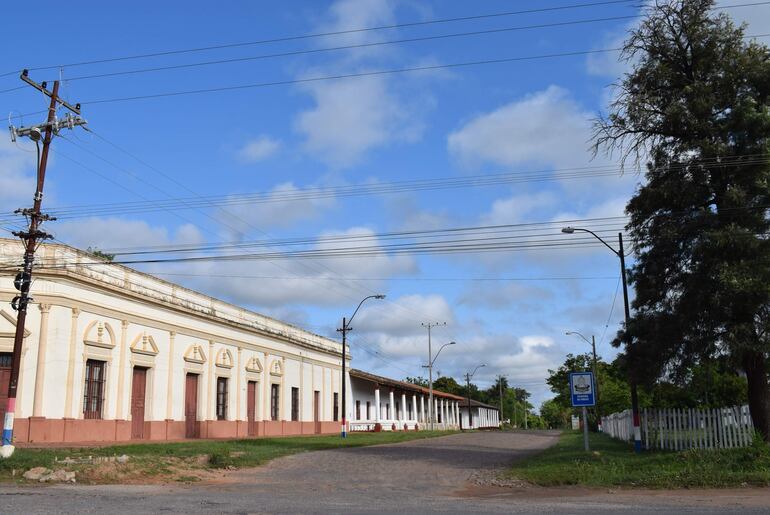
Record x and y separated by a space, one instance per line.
144 344
225 359
254 365
195 354
276 368
10 318
99 334
44 308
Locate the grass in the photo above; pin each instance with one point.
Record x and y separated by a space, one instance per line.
184 461
614 463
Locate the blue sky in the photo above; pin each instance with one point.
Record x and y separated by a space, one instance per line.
443 123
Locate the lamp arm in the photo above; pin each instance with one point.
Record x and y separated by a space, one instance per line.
439 352
359 307
598 238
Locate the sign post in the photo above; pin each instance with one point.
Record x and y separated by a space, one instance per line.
582 392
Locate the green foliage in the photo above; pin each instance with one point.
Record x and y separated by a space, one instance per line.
614 463
99 254
697 107
419 381
711 384
448 385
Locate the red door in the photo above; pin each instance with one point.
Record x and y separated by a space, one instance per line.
251 405
5 380
191 406
138 388
317 411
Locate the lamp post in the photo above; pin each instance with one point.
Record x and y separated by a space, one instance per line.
429 366
345 328
468 377
632 383
596 376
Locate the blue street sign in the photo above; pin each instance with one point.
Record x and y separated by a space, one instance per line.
581 387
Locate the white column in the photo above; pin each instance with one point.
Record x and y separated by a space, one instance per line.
392 406
422 409
377 405
413 415
404 415
435 410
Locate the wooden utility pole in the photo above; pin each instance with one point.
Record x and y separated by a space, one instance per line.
31 238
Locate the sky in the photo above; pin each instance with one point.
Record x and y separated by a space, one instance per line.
275 128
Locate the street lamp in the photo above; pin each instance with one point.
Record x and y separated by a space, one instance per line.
468 377
592 343
429 366
345 328
632 383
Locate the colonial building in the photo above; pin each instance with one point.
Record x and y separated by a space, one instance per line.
112 354
384 404
482 416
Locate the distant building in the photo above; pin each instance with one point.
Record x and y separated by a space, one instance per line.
398 405
483 416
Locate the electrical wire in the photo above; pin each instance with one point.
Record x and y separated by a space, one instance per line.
324 34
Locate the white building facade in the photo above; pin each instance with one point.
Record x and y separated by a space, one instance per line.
383 404
112 354
482 416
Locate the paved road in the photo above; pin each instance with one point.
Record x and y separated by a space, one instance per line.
435 475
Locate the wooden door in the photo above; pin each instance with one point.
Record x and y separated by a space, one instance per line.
251 407
317 411
138 389
191 406
5 380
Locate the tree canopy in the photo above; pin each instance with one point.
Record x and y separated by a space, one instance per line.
695 107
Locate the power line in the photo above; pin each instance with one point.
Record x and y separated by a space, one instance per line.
391 71
347 47
323 34
313 193
369 45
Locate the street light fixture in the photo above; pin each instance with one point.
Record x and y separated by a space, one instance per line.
592 343
345 328
632 383
429 366
468 377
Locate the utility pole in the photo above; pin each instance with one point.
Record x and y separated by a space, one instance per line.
430 372
500 384
596 381
32 236
468 377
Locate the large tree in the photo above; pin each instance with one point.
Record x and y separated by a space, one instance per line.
695 108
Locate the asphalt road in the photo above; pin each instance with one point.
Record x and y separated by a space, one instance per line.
444 475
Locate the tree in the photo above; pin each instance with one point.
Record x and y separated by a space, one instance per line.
447 385
554 415
94 251
419 381
696 108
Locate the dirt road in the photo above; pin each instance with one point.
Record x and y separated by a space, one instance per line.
434 475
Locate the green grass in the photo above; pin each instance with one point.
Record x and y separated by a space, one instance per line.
614 463
176 460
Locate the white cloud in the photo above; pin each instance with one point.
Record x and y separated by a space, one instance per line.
545 128
258 149
351 117
17 168
114 233
277 283
276 210
513 209
354 116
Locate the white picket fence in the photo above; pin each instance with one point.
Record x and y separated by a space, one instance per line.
677 429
